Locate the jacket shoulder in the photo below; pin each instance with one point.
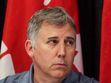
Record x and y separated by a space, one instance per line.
13 78
76 76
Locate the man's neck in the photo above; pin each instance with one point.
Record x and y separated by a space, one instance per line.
40 77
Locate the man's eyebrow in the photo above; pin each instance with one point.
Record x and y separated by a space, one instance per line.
71 38
52 38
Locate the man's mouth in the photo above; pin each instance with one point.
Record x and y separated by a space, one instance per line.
60 65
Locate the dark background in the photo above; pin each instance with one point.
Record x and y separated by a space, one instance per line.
90 12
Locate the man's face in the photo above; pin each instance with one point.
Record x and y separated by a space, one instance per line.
54 50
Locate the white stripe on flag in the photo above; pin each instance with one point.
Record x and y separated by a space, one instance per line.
3 48
46 2
78 58
6 66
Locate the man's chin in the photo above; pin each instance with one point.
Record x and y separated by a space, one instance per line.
59 74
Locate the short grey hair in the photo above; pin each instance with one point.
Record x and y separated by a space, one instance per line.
52 15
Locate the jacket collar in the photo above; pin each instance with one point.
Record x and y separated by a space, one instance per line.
28 78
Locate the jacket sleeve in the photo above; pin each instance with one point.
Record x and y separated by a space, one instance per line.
18 78
3 80
94 81
9 79
85 79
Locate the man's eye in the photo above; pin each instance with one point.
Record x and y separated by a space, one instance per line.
69 42
52 42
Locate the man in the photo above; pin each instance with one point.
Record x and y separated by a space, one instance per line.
51 45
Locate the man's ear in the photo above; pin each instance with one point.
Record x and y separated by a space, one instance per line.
29 48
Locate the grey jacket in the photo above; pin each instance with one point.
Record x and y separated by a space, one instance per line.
26 77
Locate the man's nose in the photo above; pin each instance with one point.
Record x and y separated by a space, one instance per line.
61 50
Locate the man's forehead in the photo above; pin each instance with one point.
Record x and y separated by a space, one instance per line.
53 31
